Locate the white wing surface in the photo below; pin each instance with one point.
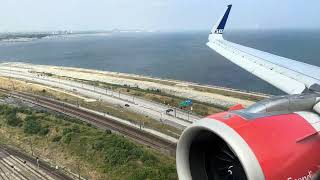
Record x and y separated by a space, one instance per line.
290 76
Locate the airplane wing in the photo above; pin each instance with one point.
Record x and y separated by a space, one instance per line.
290 76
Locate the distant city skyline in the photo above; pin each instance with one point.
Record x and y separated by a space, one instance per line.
155 15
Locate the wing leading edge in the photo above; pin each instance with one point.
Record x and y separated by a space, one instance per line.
288 75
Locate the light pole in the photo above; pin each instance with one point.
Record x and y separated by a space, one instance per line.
161 117
79 175
31 146
111 91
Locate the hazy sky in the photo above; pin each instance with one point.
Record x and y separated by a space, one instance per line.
40 15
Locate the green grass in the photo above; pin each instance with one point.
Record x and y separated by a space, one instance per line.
132 117
156 95
104 155
113 110
238 95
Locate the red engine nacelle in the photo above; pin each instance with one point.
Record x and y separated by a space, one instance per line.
252 146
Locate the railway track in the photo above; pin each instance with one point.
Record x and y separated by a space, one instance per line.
19 166
133 133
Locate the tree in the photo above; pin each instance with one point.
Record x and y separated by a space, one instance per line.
13 120
32 126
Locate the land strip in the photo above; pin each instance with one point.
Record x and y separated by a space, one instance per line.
163 144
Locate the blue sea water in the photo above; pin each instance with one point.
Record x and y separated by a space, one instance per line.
175 55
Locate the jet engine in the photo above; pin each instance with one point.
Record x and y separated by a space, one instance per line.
277 138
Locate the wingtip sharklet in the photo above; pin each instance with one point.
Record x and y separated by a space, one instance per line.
219 27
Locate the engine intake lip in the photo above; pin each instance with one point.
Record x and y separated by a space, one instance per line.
235 142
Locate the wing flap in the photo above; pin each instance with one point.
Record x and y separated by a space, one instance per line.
290 76
279 80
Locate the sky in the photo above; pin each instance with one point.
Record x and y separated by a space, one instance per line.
159 15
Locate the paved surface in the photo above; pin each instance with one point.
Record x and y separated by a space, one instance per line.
34 99
157 133
162 143
148 108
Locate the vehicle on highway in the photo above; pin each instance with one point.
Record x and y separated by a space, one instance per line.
127 105
169 110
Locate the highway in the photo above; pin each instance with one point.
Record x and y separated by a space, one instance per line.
156 140
177 118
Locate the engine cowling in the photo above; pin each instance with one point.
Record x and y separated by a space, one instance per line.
257 146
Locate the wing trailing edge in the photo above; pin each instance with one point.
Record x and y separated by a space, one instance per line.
290 76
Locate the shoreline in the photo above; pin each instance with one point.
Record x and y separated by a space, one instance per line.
204 93
151 78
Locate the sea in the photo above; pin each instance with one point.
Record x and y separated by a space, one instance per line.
171 55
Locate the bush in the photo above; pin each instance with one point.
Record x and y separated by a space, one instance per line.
66 131
13 120
26 111
44 131
155 173
67 138
107 131
98 145
32 126
118 151
149 159
56 138
8 110
76 129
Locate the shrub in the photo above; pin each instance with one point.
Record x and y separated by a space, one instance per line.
56 138
155 173
26 111
9 110
48 74
149 159
98 145
32 126
76 129
66 131
67 138
67 124
119 151
44 131
13 120
107 131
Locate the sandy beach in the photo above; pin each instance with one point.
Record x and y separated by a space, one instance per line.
173 87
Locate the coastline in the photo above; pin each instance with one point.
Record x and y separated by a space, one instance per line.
204 93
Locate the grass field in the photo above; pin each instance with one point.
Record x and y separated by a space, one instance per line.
75 99
239 95
96 154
